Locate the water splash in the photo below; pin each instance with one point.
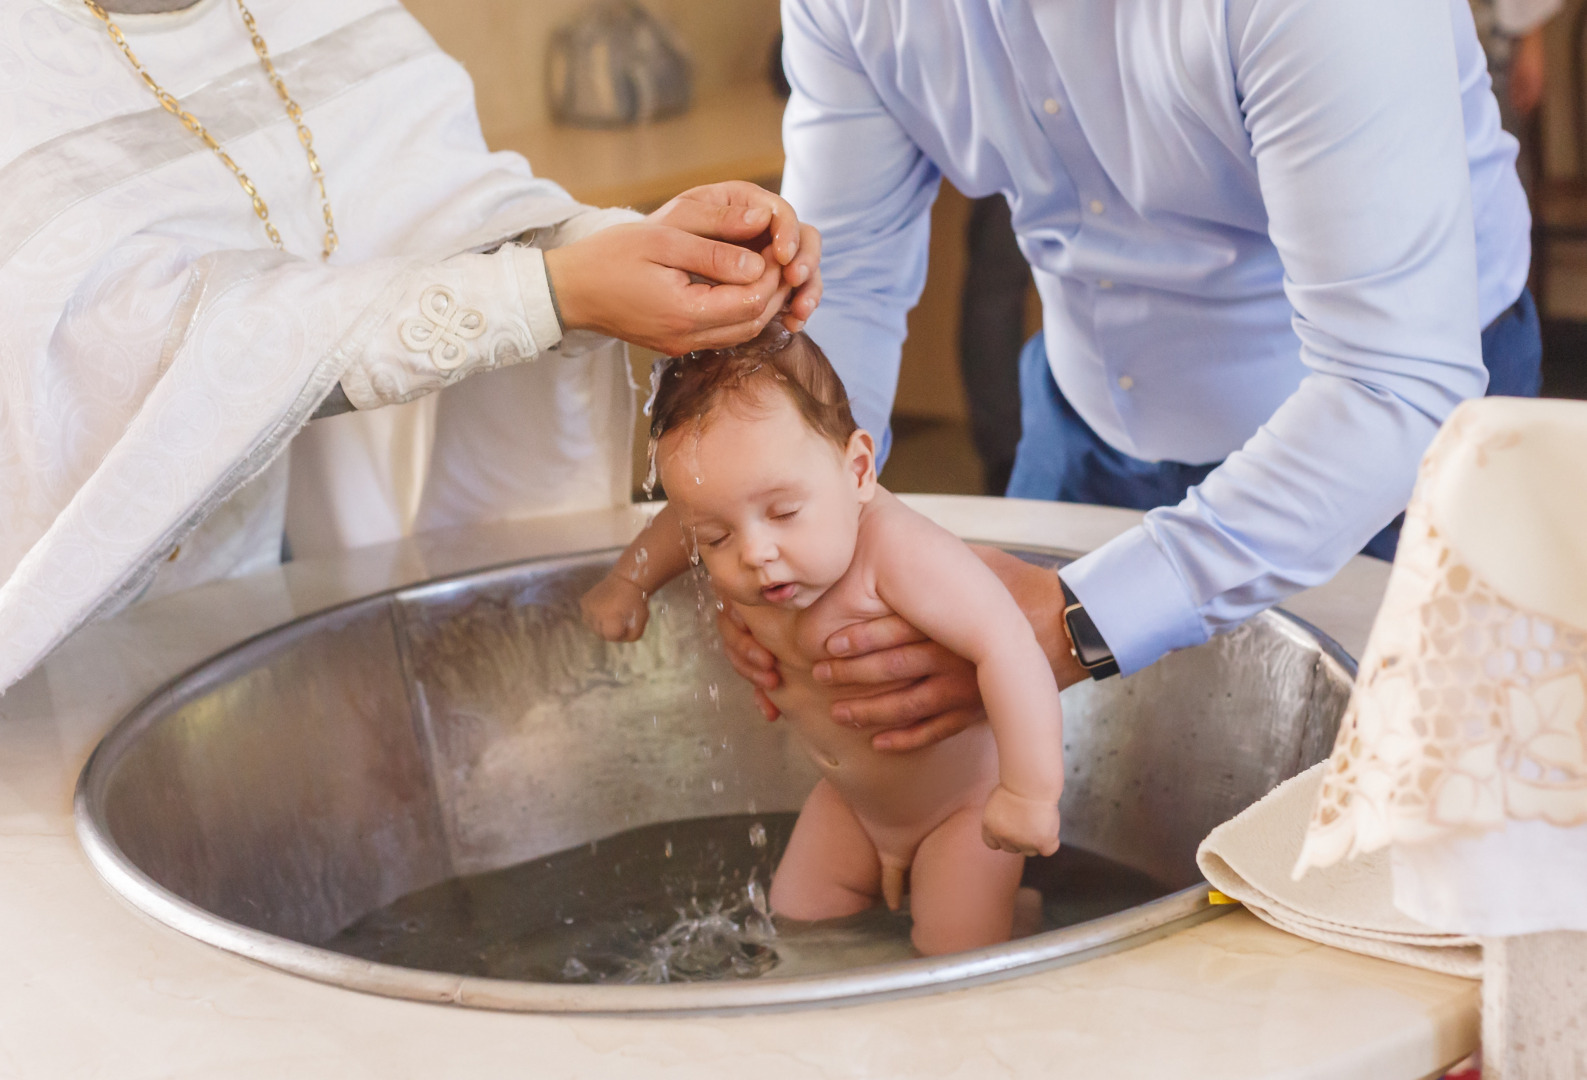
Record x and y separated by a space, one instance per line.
720 939
649 486
658 368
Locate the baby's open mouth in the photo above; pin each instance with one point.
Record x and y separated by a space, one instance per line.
777 594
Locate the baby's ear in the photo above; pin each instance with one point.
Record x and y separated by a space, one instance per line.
860 460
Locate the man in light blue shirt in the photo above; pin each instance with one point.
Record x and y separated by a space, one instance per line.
1267 234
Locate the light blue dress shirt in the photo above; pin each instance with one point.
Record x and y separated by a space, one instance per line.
1267 232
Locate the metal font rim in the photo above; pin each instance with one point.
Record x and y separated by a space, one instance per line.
1053 948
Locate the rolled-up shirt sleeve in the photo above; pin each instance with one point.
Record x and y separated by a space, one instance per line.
1354 114
856 175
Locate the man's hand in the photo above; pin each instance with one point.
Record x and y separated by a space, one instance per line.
944 697
634 282
750 659
747 214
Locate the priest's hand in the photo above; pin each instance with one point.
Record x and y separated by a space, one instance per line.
708 270
731 210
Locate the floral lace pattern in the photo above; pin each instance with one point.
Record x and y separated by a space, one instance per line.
1467 712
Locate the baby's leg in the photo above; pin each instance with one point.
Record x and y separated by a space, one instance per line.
830 868
961 892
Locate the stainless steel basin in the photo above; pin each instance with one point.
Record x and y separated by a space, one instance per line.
281 792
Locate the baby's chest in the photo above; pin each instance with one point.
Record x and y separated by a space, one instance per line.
802 640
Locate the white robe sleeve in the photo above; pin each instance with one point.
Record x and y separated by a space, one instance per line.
468 314
252 341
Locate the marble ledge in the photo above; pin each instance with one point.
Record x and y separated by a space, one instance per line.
94 988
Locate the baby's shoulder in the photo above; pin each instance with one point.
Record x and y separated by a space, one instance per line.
891 527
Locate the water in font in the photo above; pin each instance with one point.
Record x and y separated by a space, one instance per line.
676 901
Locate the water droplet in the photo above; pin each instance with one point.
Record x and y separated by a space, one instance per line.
641 557
574 969
657 369
667 851
718 787
757 897
757 835
716 696
649 486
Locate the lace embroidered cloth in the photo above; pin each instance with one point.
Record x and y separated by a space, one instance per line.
1470 708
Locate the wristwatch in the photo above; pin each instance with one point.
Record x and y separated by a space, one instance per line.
1085 640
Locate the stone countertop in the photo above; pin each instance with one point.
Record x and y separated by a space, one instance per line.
93 988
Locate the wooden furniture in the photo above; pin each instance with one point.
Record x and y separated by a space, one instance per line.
1559 203
736 136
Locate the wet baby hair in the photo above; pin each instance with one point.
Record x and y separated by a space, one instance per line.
691 387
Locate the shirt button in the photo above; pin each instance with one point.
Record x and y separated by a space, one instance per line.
1051 106
1096 206
1105 284
1125 382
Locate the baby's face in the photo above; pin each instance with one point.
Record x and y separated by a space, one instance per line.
774 506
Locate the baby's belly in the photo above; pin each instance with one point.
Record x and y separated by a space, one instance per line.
898 797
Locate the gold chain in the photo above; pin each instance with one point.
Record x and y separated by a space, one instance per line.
189 121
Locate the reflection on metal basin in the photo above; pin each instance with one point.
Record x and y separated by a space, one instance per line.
275 795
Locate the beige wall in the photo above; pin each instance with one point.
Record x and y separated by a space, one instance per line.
503 45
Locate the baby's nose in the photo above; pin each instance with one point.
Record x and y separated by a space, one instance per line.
758 550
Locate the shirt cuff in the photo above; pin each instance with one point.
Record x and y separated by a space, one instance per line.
1137 600
535 288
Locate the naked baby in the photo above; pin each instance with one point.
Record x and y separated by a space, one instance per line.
770 480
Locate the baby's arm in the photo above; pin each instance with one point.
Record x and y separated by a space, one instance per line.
935 582
619 607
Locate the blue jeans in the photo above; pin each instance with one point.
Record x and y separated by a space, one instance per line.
1061 458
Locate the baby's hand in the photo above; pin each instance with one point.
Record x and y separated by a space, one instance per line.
616 609
1024 826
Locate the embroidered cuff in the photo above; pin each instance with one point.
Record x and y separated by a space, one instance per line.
535 288
468 314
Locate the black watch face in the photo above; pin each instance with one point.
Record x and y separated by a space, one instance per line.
1090 649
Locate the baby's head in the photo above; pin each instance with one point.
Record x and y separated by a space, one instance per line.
758 450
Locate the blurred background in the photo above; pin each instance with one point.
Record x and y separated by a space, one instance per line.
978 304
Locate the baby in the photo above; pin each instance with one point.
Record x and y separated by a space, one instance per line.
774 485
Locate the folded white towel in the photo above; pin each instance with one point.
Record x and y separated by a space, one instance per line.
1349 905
